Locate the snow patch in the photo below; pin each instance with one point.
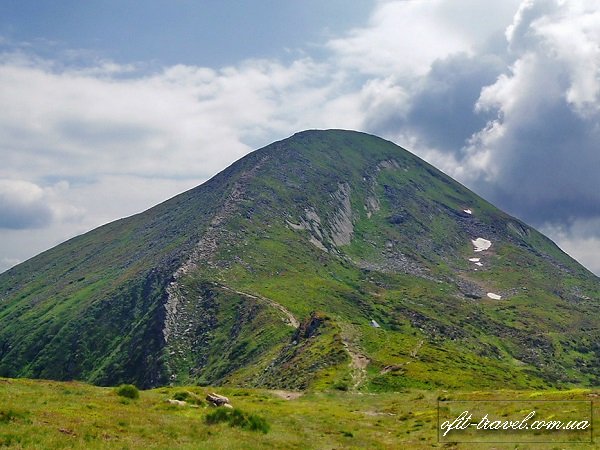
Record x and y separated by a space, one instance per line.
374 324
468 211
494 296
481 244
474 259
478 264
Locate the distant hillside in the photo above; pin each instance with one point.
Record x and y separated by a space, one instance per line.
331 259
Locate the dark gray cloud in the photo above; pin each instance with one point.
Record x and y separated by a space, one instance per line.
517 119
548 166
17 217
521 112
542 148
441 108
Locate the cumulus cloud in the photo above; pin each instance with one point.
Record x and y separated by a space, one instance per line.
25 205
510 108
22 205
181 121
503 95
99 142
440 107
147 125
389 39
406 37
540 151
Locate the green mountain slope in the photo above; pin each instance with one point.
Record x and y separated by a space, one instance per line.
329 259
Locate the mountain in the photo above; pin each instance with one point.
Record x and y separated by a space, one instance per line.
331 259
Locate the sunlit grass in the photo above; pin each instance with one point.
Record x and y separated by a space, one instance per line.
55 415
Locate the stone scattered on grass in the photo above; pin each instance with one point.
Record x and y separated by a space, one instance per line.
218 400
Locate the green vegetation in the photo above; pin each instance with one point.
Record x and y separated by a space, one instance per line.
128 391
237 418
57 415
329 230
188 397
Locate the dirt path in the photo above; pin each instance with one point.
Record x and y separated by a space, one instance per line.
415 351
358 360
177 303
290 318
358 366
287 395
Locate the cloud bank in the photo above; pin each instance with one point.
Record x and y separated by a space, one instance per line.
504 96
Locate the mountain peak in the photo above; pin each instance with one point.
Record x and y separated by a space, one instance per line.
274 272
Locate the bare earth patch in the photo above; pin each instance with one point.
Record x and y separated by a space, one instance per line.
287 395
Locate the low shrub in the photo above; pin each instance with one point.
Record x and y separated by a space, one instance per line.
10 415
217 416
238 418
128 391
341 386
189 397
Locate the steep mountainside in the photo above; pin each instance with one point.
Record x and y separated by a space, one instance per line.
329 259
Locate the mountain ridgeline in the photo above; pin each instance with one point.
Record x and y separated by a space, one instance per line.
331 259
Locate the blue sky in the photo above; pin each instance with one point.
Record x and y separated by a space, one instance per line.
206 33
109 107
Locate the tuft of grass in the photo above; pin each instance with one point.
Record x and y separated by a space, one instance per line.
189 397
128 391
11 415
341 386
238 418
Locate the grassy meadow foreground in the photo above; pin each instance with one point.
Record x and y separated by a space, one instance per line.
53 415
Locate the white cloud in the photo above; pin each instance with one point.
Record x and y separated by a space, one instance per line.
572 34
579 239
22 205
181 122
403 37
120 144
548 114
7 263
26 205
109 140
